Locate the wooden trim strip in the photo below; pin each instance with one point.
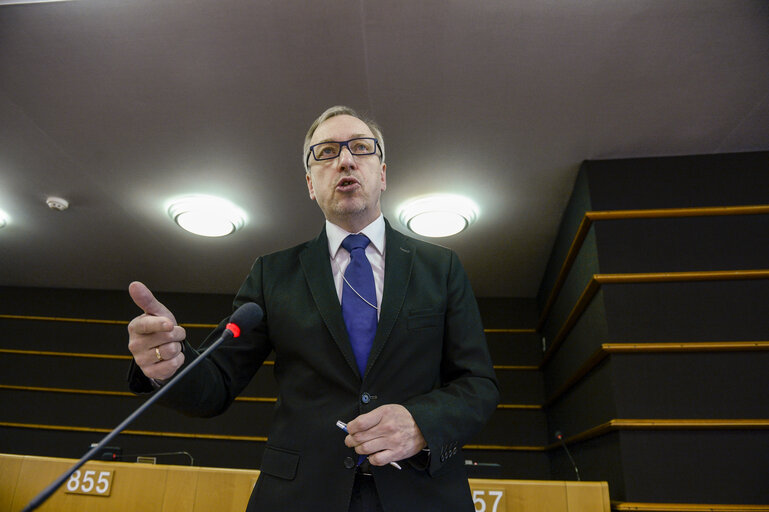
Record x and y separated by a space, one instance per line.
582 303
670 277
659 213
586 367
75 354
92 321
691 346
516 367
563 273
199 326
644 348
64 319
61 354
259 399
592 216
685 507
134 432
641 424
666 424
525 407
690 424
649 277
511 331
100 392
67 390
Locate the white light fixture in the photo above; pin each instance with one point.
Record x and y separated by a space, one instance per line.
206 215
438 215
4 219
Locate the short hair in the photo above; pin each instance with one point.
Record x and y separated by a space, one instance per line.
339 110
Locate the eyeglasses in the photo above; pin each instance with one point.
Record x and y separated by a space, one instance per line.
329 150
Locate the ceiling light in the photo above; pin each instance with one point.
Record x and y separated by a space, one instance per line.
4 219
206 215
438 215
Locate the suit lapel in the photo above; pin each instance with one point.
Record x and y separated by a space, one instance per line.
399 259
317 270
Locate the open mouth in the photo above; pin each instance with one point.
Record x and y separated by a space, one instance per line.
347 183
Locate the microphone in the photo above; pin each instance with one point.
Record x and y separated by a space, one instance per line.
158 454
244 319
559 436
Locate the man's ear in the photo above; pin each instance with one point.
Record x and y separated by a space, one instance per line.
384 177
310 188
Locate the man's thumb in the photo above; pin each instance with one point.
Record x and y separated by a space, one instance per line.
142 297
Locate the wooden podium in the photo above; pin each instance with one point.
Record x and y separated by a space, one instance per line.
129 487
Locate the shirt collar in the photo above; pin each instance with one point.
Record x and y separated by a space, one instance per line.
374 231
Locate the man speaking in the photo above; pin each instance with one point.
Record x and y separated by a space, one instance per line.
369 328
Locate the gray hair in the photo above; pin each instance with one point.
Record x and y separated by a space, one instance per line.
340 110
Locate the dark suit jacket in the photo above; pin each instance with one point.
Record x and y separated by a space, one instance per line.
429 355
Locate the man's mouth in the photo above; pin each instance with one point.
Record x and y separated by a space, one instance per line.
347 183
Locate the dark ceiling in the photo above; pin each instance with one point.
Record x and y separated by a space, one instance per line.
118 105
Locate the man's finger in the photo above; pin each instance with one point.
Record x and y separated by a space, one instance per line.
143 297
365 421
147 324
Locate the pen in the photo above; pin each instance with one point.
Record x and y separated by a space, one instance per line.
342 425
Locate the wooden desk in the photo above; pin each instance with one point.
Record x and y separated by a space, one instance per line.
135 487
539 496
161 488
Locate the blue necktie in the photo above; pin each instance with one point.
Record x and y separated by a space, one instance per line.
359 300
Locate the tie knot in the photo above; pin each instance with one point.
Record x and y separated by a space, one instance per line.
353 242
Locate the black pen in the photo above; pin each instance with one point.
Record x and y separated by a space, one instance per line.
341 424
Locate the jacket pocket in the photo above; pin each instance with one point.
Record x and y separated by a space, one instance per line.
422 319
280 463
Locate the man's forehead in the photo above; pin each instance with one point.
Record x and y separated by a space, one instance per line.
341 127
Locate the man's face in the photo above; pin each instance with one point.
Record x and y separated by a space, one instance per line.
347 188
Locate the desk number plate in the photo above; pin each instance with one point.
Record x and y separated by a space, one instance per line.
489 500
91 482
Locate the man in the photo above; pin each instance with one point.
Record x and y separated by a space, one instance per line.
402 359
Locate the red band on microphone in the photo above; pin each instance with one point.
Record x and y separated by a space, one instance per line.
234 329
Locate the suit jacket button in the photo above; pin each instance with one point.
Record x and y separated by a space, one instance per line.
349 462
365 398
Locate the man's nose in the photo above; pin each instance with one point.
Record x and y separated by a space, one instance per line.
346 158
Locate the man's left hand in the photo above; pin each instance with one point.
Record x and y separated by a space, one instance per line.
386 434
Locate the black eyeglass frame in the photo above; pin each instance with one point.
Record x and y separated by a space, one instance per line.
342 144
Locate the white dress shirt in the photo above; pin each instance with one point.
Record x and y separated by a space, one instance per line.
375 252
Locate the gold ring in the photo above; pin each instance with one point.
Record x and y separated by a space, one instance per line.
157 354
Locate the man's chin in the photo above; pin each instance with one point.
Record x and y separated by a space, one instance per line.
350 208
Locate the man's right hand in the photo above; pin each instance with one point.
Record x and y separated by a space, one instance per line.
154 337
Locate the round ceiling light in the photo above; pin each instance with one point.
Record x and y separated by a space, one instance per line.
206 215
438 215
4 218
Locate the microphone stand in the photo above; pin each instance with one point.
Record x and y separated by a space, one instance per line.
48 491
559 436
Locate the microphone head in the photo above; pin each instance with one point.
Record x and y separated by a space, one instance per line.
245 318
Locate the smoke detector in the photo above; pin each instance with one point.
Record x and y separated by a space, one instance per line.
57 203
